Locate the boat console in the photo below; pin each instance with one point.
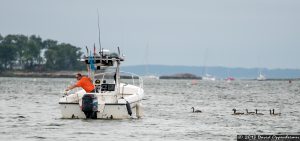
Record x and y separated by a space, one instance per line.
107 87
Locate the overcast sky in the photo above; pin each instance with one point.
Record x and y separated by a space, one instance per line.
231 33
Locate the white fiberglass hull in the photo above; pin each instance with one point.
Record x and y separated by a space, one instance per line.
111 111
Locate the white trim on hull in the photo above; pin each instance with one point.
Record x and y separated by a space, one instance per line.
111 111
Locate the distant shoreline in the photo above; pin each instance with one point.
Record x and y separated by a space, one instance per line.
177 77
71 74
277 79
59 74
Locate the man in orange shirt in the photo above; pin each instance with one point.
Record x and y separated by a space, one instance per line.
84 82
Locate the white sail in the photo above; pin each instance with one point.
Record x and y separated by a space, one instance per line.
261 77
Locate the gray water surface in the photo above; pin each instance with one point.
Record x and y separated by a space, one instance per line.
29 110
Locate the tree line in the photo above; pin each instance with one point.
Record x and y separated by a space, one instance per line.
32 53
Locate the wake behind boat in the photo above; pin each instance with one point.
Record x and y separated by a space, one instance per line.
114 98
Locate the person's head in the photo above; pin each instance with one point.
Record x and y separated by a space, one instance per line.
78 76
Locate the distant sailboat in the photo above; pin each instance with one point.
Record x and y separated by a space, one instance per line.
147 75
261 77
229 78
208 77
205 75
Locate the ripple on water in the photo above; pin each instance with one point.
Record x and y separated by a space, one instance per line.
84 133
37 137
55 124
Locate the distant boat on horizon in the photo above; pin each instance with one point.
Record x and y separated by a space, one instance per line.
229 79
208 77
145 77
261 77
205 75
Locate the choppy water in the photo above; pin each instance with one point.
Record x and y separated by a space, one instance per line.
29 110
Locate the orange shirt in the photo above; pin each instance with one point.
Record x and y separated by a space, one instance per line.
86 84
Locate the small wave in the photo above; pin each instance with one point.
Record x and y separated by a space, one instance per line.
18 117
259 131
21 117
54 124
84 133
37 137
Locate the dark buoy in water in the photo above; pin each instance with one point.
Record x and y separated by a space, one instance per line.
128 108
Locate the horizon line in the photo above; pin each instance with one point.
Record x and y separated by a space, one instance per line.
265 68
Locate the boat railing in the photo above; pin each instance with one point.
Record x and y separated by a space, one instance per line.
126 77
133 78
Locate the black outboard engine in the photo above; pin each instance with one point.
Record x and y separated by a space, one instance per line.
90 106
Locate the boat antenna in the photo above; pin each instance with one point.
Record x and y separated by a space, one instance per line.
87 51
119 53
99 34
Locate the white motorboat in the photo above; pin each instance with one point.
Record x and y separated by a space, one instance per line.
116 98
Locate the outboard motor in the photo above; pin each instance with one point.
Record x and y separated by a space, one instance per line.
90 106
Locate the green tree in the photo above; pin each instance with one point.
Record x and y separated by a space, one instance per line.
49 43
28 50
31 54
63 57
7 52
23 52
20 42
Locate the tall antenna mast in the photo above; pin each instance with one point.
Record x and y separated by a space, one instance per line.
99 34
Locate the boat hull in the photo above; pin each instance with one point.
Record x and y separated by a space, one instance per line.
109 111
